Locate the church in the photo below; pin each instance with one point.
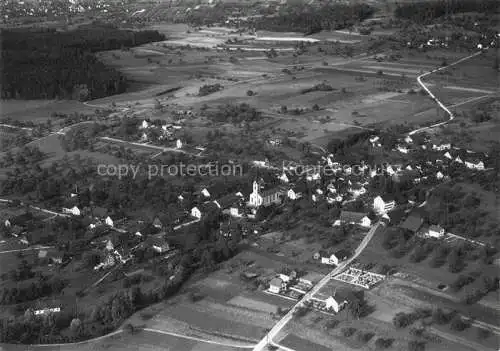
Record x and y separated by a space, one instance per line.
260 197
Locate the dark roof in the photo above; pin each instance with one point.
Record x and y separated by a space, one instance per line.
342 253
396 215
157 221
276 282
275 190
387 197
99 211
348 216
207 207
228 200
413 222
300 186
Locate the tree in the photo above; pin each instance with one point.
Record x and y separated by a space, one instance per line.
458 324
415 345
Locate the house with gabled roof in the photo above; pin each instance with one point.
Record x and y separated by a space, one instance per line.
474 164
276 285
413 222
157 223
435 231
384 203
359 218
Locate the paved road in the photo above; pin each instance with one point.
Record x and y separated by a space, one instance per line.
450 114
268 338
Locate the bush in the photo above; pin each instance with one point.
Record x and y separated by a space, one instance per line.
415 345
458 324
348 331
383 343
365 337
331 324
440 317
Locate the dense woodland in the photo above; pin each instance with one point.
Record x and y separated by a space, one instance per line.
428 11
311 19
48 64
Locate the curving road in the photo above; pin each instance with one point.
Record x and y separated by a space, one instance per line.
450 114
268 338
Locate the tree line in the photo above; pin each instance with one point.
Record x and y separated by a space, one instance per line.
49 64
427 11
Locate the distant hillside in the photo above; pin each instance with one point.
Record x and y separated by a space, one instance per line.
48 64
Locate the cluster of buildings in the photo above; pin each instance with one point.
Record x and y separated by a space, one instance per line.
153 132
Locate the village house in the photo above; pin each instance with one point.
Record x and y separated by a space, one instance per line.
358 218
195 212
413 222
475 164
435 231
264 198
383 203
441 147
46 311
99 212
357 190
158 243
178 144
75 211
108 221
276 285
144 125
284 178
157 223
401 148
335 304
7 223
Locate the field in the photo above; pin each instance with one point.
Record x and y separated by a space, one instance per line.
141 341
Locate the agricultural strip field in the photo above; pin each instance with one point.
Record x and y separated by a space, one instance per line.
141 341
296 343
211 323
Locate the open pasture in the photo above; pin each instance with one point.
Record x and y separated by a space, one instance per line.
211 323
40 110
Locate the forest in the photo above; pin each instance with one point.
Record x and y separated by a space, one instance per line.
311 19
427 11
46 64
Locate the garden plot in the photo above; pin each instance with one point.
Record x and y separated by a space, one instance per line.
360 278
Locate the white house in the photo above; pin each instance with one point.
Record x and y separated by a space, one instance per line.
357 191
475 164
435 231
47 311
195 212
408 139
439 175
7 223
75 211
109 221
448 156
178 144
390 170
383 204
331 188
441 147
109 245
458 160
144 125
205 192
285 278
284 178
402 149
275 285
333 304
144 137
409 168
